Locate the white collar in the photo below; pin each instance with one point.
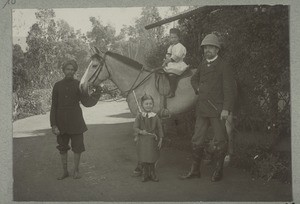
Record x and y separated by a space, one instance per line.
150 114
209 61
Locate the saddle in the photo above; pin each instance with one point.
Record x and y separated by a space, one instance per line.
162 81
163 87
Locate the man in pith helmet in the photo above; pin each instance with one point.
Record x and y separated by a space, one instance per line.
215 86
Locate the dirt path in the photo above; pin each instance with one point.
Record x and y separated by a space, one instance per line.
107 167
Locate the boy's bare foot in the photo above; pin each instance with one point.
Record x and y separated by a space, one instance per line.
76 175
65 175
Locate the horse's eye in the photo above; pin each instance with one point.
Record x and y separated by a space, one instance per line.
95 66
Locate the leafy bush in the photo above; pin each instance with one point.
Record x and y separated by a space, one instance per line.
31 102
255 41
263 163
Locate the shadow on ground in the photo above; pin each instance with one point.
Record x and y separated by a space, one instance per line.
122 115
107 166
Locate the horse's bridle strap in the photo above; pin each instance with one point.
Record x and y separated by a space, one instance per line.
98 71
134 85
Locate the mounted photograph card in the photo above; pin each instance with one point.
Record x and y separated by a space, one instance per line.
132 101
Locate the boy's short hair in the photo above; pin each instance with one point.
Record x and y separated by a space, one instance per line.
146 97
70 62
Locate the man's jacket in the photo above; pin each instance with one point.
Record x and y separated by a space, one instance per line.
214 83
66 113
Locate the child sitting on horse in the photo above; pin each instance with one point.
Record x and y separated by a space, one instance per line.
148 136
173 64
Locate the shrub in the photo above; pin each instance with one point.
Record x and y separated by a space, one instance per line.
263 163
31 102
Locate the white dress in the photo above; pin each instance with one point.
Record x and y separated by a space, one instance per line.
177 53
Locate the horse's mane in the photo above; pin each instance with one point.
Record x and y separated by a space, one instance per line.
125 60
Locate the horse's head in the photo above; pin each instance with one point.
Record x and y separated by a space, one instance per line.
95 73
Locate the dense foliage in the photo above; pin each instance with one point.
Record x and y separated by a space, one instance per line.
52 42
256 43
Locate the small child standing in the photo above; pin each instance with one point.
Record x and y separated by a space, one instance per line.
148 135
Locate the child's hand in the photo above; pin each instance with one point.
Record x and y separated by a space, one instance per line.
167 60
159 143
143 132
135 139
55 130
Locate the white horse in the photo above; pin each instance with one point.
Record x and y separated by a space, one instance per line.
131 77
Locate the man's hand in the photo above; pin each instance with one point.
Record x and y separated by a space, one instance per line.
55 130
159 143
143 132
95 90
224 114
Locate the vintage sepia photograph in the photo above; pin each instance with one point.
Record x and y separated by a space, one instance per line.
179 103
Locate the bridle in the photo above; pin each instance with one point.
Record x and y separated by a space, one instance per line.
99 69
134 86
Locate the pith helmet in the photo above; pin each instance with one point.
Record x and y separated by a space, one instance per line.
211 39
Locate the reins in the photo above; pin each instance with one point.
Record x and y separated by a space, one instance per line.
99 69
134 86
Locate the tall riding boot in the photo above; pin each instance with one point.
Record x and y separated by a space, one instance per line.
218 172
195 168
173 85
145 172
153 176
76 165
64 161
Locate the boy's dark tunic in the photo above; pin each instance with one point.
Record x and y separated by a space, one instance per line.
147 148
66 113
